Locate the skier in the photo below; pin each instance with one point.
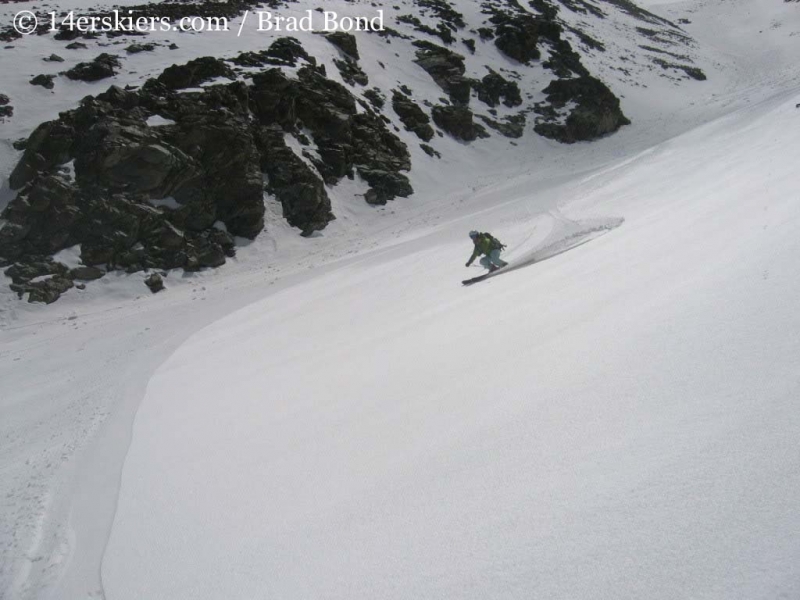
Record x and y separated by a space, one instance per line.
489 246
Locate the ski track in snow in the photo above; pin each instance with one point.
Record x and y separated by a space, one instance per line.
646 470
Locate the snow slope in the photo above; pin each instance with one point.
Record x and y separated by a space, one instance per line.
616 421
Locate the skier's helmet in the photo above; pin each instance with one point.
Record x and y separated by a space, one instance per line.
473 234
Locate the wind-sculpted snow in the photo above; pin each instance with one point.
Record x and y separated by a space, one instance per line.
610 421
556 433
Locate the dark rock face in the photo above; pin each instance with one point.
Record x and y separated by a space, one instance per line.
457 121
412 116
299 190
346 141
284 51
53 58
173 194
193 73
101 67
346 42
597 111
517 36
49 145
494 88
208 162
447 70
288 50
39 219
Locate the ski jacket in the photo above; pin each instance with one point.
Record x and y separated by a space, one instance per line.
484 244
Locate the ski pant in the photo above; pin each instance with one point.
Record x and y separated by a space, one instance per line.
493 258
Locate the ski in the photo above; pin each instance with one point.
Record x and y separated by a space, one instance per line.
484 276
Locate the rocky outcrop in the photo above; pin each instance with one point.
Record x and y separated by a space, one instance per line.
300 191
205 167
48 146
447 70
193 73
458 122
101 67
413 117
174 194
285 51
517 35
346 42
155 282
494 89
346 140
375 98
596 111
137 48
41 278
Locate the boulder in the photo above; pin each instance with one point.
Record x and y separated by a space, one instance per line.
46 81
40 277
101 67
85 273
47 291
155 282
385 185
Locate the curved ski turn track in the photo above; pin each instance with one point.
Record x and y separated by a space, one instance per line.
336 417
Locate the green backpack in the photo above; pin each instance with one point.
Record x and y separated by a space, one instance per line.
494 243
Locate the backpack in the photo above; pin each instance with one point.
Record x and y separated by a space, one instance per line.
494 243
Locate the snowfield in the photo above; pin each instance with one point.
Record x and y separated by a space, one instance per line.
618 421
337 417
